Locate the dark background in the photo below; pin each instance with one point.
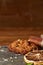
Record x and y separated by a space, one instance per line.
20 19
21 13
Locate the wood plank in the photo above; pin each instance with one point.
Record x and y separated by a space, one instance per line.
8 35
21 13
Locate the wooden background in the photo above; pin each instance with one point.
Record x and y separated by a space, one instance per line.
21 13
20 19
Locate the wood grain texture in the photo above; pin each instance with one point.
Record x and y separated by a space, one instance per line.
19 19
8 35
21 13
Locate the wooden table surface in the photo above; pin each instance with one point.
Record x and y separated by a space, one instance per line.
8 35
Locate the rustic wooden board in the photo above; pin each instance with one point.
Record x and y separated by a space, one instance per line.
8 35
21 13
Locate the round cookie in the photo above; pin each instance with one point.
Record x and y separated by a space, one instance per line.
21 46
